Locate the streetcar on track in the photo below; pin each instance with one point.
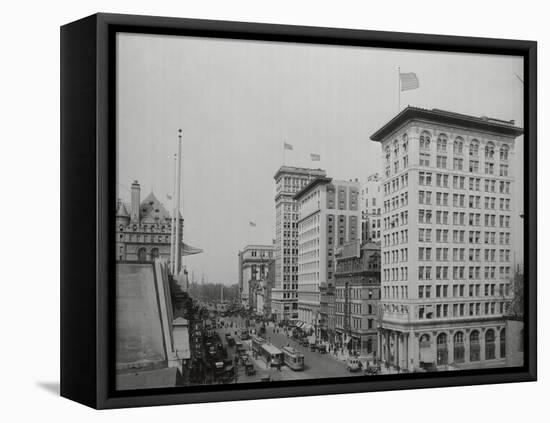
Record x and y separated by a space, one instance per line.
293 358
257 342
271 355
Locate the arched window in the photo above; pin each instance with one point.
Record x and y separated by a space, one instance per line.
474 148
405 140
490 344
442 351
474 346
388 154
458 146
425 138
425 350
504 152
502 341
142 254
442 143
154 253
490 150
396 148
458 355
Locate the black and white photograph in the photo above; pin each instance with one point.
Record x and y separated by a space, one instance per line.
294 211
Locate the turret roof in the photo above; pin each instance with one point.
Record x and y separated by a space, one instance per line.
152 209
121 211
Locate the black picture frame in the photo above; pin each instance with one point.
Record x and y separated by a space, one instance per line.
88 193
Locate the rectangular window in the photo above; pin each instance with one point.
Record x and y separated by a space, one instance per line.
458 164
424 159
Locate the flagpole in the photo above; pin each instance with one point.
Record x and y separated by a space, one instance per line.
398 89
284 153
178 193
173 228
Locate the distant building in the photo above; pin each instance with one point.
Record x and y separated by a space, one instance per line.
253 267
288 181
357 292
261 292
144 229
446 238
371 208
329 218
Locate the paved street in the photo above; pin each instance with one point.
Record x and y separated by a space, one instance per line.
316 365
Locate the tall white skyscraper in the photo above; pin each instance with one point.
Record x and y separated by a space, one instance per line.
447 238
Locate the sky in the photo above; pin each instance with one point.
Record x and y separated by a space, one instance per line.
238 101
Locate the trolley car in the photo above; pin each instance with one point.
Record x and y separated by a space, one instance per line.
293 358
271 355
257 342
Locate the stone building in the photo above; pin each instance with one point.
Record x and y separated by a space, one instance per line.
357 294
329 216
447 239
371 208
288 181
144 229
261 291
253 267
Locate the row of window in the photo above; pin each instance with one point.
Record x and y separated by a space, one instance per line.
459 290
145 238
459 236
356 309
459 346
459 182
400 200
458 147
396 184
393 274
395 238
442 254
459 272
459 200
460 310
442 218
354 322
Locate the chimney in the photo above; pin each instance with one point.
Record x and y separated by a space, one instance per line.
134 213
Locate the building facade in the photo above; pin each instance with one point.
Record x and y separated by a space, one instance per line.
143 228
329 216
262 292
357 294
253 267
371 208
288 181
446 239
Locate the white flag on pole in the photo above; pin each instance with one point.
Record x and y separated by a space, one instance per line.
409 81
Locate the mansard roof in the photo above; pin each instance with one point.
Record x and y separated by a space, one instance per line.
151 209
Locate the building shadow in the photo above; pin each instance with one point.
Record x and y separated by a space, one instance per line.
51 387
